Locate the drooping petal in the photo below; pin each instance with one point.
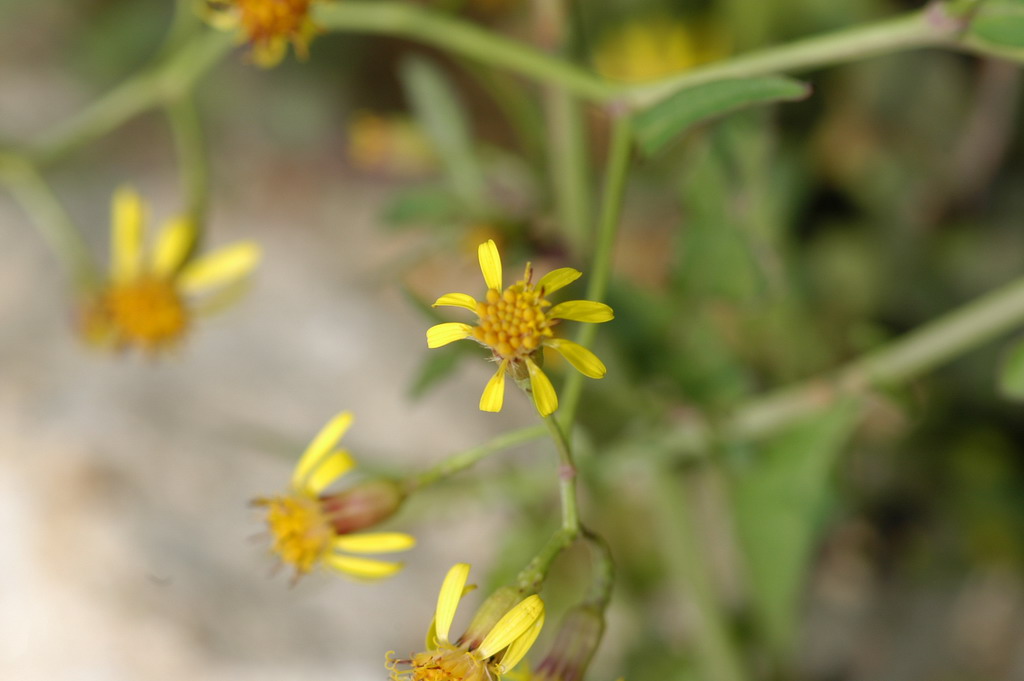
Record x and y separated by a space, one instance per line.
448 599
126 234
543 392
221 267
363 568
432 630
321 446
584 360
517 651
327 469
515 623
494 392
582 311
490 264
457 300
556 279
448 332
172 245
374 542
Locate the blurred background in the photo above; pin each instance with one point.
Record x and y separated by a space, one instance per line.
760 250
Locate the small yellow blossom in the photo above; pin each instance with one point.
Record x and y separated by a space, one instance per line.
392 145
147 300
646 49
268 25
516 325
494 643
311 528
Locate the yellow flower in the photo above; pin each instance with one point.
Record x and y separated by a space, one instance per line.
493 644
310 528
516 325
268 25
392 145
652 48
147 300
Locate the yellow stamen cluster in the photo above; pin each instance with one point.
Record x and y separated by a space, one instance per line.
265 20
446 664
302 533
147 312
513 323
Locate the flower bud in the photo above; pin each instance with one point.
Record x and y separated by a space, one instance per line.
488 614
362 506
575 643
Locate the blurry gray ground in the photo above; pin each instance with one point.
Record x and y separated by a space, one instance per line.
124 483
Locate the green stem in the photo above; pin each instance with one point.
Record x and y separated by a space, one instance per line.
569 167
931 345
192 159
602 574
532 576
459 37
616 173
932 26
677 532
456 463
164 82
566 477
30 189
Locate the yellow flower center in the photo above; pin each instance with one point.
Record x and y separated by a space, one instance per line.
301 531
513 323
446 664
264 20
147 312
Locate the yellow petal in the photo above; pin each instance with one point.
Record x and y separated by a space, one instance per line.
494 391
448 599
363 568
328 469
517 651
582 311
490 264
432 631
172 245
449 332
374 542
321 446
270 52
515 623
584 360
223 266
543 392
457 300
128 222
556 279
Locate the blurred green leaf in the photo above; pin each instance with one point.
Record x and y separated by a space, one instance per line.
661 124
779 499
438 366
1011 375
422 205
440 113
1000 23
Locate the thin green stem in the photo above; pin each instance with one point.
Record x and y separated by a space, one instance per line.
569 167
929 346
602 573
616 174
677 533
566 477
532 576
32 192
193 163
164 82
456 463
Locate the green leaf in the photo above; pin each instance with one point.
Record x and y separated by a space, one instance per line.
656 127
1000 24
422 205
438 366
779 500
438 110
1011 374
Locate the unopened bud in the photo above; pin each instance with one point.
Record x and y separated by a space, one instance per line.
488 614
574 645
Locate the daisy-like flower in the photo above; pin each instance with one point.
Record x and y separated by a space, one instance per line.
150 296
311 528
516 324
268 25
499 636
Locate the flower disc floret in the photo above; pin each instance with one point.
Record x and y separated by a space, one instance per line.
268 25
516 324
